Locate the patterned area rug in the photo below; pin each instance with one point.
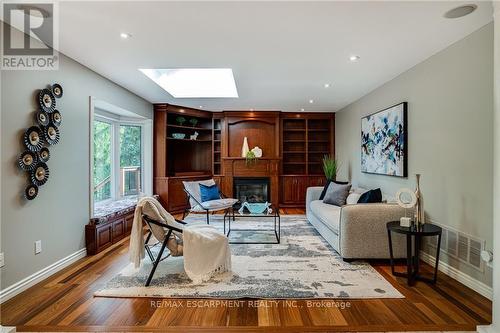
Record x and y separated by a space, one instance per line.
303 266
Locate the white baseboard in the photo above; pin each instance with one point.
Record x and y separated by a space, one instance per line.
7 329
461 277
34 278
486 329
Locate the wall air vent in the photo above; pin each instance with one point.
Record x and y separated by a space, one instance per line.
463 247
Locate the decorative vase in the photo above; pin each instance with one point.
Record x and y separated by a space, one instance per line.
245 149
419 206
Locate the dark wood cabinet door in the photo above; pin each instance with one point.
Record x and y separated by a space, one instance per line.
177 200
118 229
317 181
104 237
301 188
289 190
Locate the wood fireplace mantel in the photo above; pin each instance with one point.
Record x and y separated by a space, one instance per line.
263 167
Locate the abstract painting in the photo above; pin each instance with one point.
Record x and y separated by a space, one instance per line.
384 142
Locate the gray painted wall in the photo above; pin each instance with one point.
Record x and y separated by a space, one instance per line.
450 117
58 215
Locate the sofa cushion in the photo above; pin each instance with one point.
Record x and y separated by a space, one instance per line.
329 215
372 196
208 193
325 188
337 194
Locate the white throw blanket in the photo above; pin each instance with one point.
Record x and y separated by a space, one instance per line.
206 250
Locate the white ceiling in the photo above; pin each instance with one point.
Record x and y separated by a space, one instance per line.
281 53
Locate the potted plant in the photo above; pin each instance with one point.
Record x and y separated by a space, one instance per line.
330 166
180 120
250 158
193 122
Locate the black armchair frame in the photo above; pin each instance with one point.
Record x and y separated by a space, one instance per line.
149 221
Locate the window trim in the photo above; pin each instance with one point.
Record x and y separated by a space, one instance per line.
116 120
115 149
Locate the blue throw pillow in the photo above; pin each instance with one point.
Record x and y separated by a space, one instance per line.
208 193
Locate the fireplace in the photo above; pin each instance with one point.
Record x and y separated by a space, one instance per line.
251 189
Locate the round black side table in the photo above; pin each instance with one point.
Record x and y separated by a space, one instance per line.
413 251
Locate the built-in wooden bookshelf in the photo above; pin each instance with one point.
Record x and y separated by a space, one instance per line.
306 138
217 146
293 144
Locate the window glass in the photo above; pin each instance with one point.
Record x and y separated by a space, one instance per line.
130 160
102 160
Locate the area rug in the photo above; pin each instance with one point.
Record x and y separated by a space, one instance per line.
303 265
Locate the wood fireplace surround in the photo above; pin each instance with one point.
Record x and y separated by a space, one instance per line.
292 145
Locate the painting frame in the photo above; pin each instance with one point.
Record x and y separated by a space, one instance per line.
402 109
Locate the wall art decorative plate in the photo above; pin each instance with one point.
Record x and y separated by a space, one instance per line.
40 174
56 118
57 90
47 100
27 160
44 154
33 138
51 134
42 118
31 192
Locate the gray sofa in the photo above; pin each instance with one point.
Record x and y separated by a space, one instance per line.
356 231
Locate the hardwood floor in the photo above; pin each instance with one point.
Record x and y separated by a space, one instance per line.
65 302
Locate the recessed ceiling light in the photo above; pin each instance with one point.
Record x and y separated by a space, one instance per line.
354 58
327 85
302 110
311 101
460 11
125 35
251 109
195 82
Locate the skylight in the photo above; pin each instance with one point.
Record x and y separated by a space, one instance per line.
195 82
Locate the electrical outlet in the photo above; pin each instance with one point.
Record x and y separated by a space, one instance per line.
38 246
2 262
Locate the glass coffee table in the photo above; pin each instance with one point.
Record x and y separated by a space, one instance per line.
266 223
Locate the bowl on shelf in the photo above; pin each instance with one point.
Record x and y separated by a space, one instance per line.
178 135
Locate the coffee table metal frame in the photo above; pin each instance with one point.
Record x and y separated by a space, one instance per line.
275 215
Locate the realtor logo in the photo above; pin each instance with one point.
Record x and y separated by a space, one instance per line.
29 36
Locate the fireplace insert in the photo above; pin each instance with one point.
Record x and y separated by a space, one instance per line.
251 190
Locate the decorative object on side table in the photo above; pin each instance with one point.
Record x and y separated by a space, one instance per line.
414 233
384 142
33 160
406 199
419 206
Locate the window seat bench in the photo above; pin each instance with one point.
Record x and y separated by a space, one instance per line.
111 222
